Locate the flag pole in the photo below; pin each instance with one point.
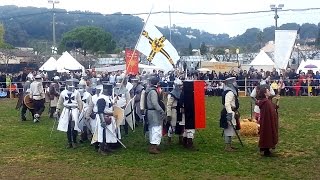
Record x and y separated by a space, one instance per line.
135 48
170 23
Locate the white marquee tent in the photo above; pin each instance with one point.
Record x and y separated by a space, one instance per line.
67 63
308 62
262 61
49 65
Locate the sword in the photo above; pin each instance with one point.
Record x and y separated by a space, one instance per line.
236 133
116 137
101 118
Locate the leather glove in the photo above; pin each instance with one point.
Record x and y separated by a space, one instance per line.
162 115
93 115
103 124
56 114
229 117
169 118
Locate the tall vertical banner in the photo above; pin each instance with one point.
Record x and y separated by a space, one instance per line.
194 104
132 61
284 42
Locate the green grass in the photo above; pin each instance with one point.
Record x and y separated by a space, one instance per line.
27 151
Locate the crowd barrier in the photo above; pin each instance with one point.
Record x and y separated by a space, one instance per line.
245 87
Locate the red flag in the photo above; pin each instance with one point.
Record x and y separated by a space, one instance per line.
132 62
194 104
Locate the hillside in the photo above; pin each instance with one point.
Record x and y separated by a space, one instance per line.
27 26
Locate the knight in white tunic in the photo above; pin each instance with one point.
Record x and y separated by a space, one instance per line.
84 118
121 97
71 104
106 131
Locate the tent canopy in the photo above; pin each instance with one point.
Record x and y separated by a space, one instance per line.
67 62
213 60
262 59
308 62
49 65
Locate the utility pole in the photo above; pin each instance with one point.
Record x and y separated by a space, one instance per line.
53 2
276 9
170 24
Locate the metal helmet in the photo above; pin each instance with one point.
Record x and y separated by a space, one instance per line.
70 85
107 89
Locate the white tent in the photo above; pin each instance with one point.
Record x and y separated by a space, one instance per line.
49 65
262 59
213 60
307 62
67 62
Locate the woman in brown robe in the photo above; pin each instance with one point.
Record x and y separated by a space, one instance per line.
268 122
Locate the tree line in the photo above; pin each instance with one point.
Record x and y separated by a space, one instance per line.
32 27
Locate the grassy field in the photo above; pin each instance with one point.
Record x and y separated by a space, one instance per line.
27 151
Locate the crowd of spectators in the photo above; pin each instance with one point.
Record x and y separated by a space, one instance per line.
286 83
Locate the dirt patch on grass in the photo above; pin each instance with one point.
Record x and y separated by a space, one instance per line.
289 153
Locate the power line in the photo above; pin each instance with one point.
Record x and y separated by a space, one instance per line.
158 12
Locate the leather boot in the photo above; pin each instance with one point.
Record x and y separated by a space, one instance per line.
228 148
180 140
102 149
108 149
153 149
184 142
74 145
69 145
190 144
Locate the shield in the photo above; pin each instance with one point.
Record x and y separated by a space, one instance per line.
118 114
28 101
129 114
129 86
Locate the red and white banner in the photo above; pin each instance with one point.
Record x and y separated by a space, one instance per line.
132 62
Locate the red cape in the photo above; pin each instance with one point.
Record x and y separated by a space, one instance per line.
268 124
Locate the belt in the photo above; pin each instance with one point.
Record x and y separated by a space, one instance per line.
71 107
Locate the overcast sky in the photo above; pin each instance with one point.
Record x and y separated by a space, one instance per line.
233 25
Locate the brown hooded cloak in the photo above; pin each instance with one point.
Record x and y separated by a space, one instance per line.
268 124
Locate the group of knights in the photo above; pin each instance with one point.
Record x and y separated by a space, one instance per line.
88 108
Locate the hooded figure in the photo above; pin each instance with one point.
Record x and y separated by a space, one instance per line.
229 119
71 104
84 118
173 109
268 122
155 114
121 97
54 92
23 98
254 95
